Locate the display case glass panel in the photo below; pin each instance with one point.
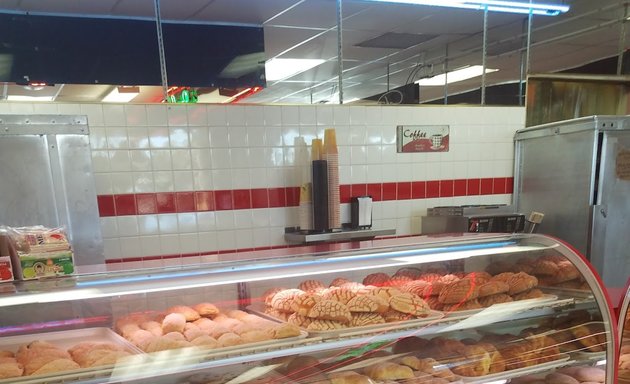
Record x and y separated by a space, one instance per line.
471 308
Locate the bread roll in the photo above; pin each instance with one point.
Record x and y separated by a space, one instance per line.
521 282
459 292
363 319
591 374
330 310
204 310
368 303
545 267
534 293
493 288
398 281
417 286
6 354
141 338
268 295
389 371
188 313
476 362
377 279
411 304
283 331
205 341
303 303
152 326
173 322
411 272
340 294
54 366
229 340
349 378
311 286
339 281
164 343
10 370
393 316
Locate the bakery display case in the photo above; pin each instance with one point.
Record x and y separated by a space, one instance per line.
624 336
473 308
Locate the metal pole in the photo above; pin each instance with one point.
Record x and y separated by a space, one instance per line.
340 50
521 78
484 54
528 53
446 76
158 24
622 39
388 76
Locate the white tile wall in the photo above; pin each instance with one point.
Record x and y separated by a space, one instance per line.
165 148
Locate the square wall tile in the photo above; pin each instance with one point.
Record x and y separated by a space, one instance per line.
189 243
272 115
183 181
147 203
128 225
94 114
135 115
187 222
168 223
143 182
166 202
161 159
138 137
199 137
179 137
150 245
164 181
159 137
157 115
197 115
125 204
181 159
235 115
308 115
119 161
224 220
254 115
117 138
237 136
122 182
109 227
206 221
216 115
177 115
114 115
169 244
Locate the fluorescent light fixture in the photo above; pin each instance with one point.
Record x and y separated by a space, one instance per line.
278 69
122 95
454 76
491 5
29 98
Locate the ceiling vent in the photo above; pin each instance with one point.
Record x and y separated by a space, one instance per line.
393 40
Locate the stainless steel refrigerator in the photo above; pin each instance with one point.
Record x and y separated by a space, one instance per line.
577 172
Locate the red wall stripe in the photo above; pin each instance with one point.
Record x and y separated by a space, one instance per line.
200 201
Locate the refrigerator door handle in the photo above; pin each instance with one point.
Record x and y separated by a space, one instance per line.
597 249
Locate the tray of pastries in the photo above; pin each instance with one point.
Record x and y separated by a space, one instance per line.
555 274
64 355
566 375
489 358
345 307
204 331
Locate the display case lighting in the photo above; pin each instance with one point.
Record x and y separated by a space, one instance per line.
278 69
29 98
122 95
465 73
491 5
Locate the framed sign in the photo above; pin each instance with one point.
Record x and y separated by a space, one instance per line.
422 138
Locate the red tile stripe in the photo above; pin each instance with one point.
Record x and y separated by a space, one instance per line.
224 200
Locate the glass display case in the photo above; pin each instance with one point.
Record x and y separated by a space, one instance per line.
465 309
624 336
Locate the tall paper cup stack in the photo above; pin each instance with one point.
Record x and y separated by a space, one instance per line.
331 155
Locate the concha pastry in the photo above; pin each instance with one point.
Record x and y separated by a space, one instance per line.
392 316
411 304
389 371
545 267
339 281
417 286
268 295
386 292
299 320
363 319
303 303
505 276
430 277
448 279
331 310
368 303
465 306
340 294
493 288
566 271
283 300
410 272
476 362
324 325
459 291
311 286
376 279
397 281
480 277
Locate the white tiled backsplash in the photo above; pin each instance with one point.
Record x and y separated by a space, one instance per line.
166 148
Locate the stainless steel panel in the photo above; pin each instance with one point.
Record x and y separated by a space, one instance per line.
611 217
26 182
46 179
554 176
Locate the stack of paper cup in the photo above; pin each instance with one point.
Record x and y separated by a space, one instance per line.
305 213
331 155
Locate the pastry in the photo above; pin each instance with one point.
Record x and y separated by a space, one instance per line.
340 294
450 278
517 355
304 302
495 299
417 286
164 343
591 374
521 282
283 331
254 336
10 370
493 288
350 377
54 366
410 272
189 313
152 326
357 288
283 300
531 294
330 310
423 365
397 281
6 354
205 310
430 277
560 378
318 325
173 322
392 316
175 336
363 319
410 344
229 339
376 279
368 303
141 338
545 267
592 336
411 304
497 362
389 371
476 362
505 276
479 277
191 333
299 320
205 341
386 292
571 284
434 303
339 281
500 266
458 292
566 271
311 286
268 295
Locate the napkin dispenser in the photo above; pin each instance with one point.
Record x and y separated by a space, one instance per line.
361 212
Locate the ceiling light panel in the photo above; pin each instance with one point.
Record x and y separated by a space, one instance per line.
523 7
279 69
29 98
116 96
454 76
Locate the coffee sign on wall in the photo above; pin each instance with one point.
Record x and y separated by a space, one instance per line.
422 138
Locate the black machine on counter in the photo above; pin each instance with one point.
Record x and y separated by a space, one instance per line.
473 218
